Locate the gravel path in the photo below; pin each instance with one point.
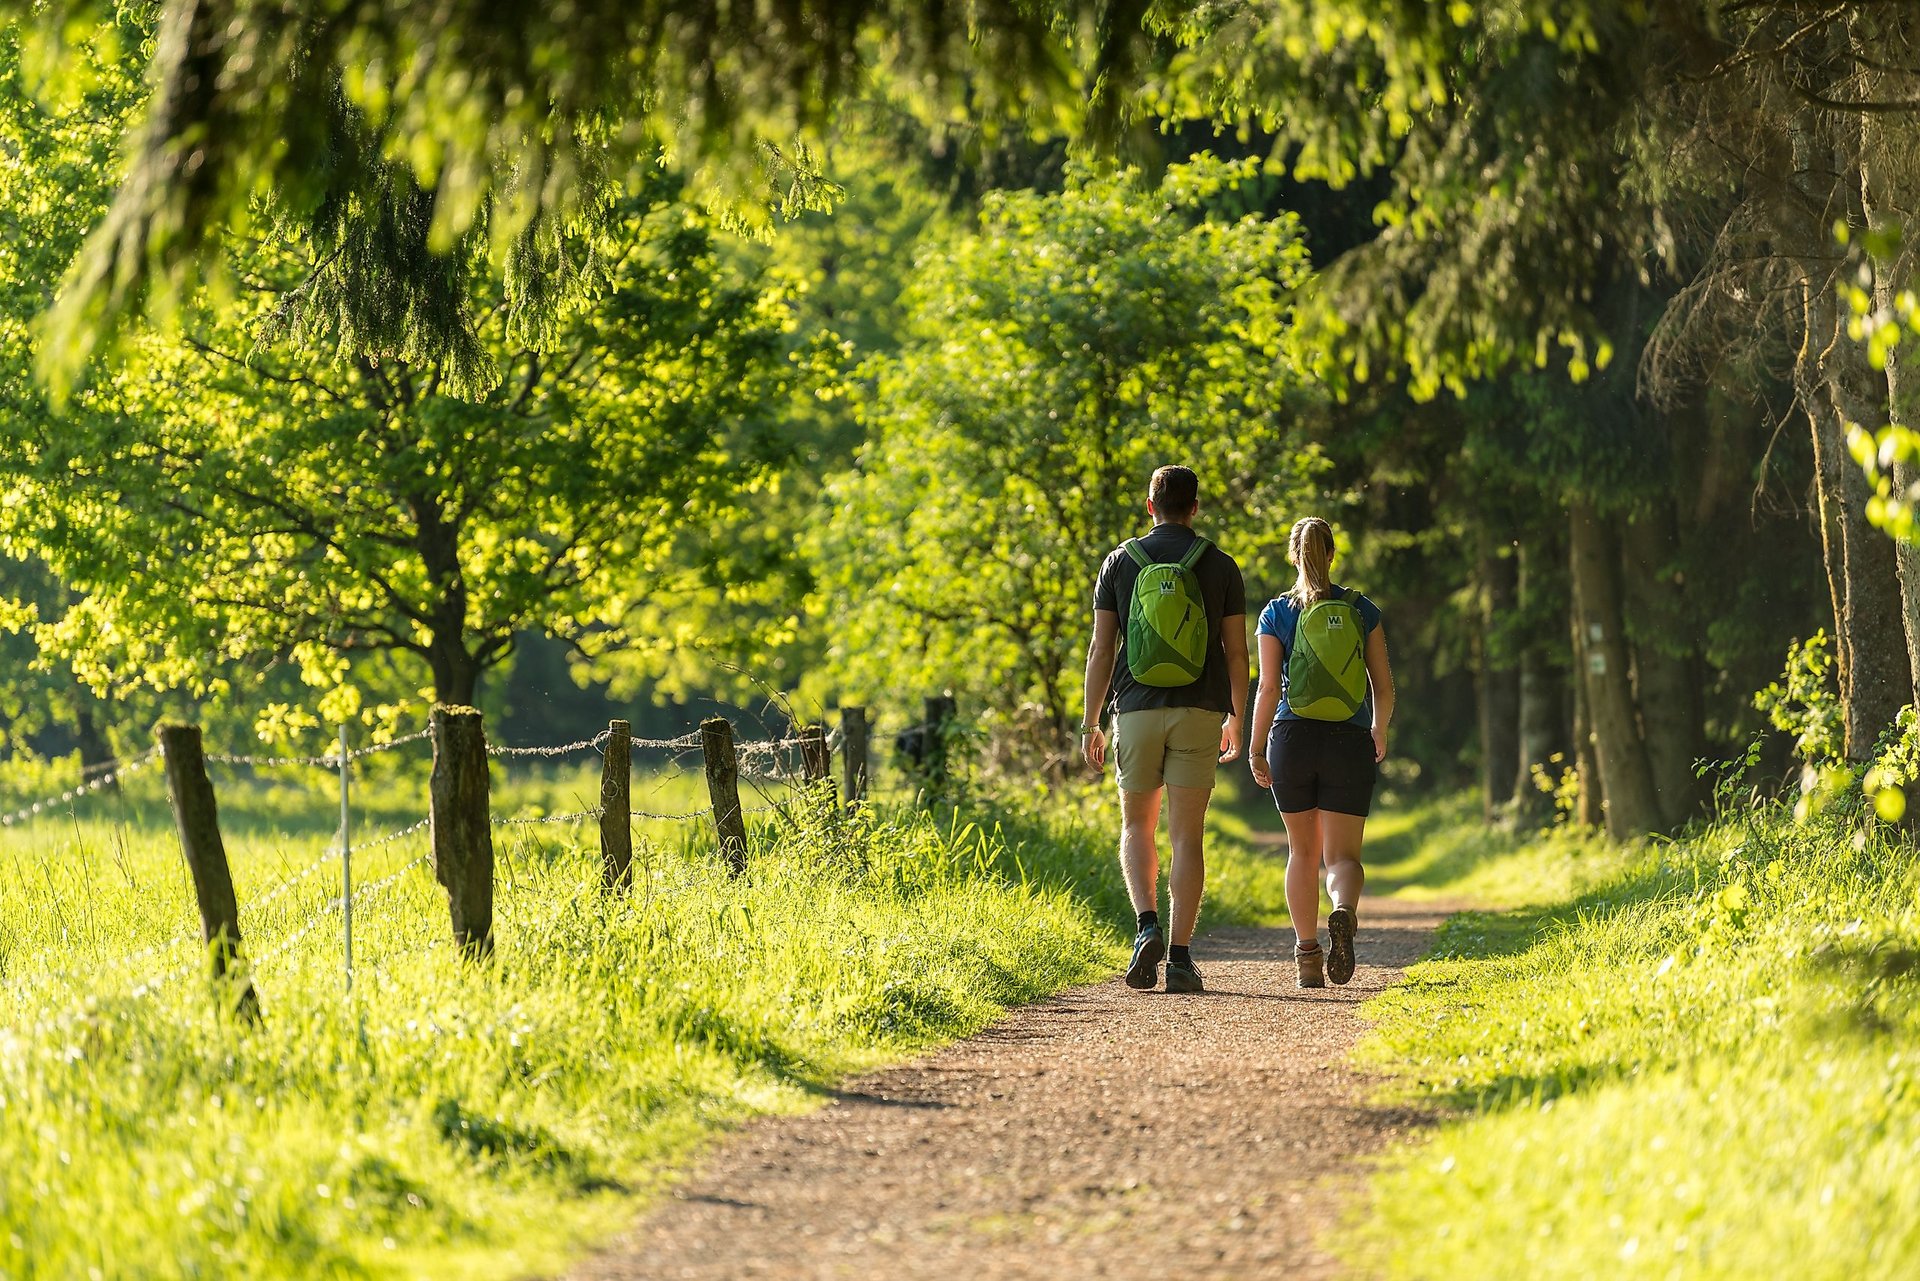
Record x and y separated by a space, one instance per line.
1103 1133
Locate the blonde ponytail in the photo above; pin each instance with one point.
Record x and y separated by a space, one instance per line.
1310 550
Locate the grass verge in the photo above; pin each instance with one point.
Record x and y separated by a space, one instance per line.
1690 1060
446 1119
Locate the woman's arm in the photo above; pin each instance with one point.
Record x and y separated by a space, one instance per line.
1380 675
1265 705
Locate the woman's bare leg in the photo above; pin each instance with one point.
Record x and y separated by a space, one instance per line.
1303 873
1340 838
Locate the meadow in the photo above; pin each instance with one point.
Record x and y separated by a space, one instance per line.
1689 1059
445 1118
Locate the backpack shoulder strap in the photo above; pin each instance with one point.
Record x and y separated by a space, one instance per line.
1194 553
1137 552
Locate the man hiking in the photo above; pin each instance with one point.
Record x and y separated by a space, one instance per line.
1171 608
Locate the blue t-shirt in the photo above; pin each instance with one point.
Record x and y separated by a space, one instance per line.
1279 619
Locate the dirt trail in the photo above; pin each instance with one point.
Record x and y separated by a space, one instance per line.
1103 1133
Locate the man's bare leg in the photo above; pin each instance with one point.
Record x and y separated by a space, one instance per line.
1139 855
1187 877
1140 864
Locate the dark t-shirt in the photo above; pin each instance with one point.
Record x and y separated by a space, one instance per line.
1279 620
1221 591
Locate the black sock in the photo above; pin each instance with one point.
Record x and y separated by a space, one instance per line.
1180 955
1148 918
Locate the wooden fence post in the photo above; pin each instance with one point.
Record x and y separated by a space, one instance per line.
853 732
814 761
198 819
723 788
616 807
940 710
462 826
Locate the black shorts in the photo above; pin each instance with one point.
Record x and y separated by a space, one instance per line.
1322 765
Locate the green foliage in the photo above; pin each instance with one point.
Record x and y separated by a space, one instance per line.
222 496
1892 507
1051 361
729 614
1499 123
422 128
1730 777
1558 780
1698 1065
1805 703
1895 772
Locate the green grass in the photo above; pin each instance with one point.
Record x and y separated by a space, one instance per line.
449 1119
1691 1060
1440 849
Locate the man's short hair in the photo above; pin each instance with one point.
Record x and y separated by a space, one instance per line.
1174 491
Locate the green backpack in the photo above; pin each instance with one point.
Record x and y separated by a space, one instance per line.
1327 669
1167 621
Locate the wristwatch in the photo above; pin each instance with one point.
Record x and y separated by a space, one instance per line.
1087 729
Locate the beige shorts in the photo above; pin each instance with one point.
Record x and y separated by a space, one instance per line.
1177 745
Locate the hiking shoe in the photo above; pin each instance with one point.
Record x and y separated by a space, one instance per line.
1340 923
1182 977
1309 964
1148 947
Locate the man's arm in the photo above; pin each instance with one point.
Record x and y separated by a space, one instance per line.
1233 637
1100 657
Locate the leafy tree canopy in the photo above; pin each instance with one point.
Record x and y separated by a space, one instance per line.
223 495
1051 361
516 129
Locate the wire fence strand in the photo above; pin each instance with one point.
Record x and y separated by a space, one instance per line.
329 760
34 810
772 759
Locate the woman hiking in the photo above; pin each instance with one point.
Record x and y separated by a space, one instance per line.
1319 735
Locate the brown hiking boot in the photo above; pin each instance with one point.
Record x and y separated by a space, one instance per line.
1310 965
1341 923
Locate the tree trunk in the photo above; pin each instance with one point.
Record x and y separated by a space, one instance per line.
1875 677
1542 727
1498 686
1592 810
1834 381
1890 196
1665 664
1631 806
1537 718
462 829
456 676
96 753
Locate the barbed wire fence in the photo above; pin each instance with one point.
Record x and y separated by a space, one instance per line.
459 828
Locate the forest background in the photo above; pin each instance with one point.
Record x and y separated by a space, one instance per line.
1582 322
